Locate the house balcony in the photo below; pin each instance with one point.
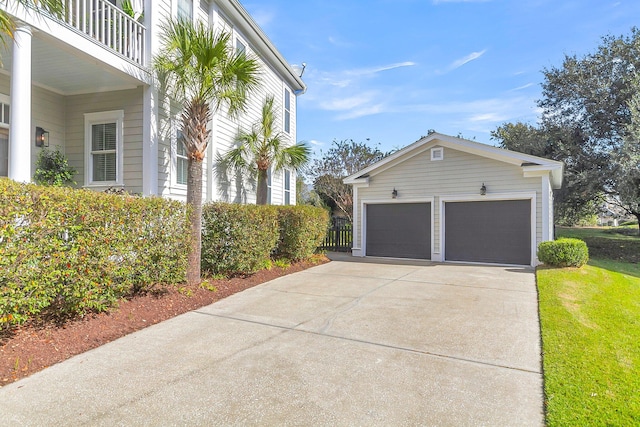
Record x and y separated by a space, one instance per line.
108 25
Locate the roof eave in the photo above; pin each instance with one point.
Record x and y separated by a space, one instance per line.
259 39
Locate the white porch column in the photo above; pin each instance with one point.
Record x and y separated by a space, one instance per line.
150 125
20 135
150 142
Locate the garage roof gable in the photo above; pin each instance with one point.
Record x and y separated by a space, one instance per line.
531 165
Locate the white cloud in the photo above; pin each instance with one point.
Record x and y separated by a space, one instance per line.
374 70
522 87
315 142
336 41
366 110
471 57
492 110
488 117
349 103
350 93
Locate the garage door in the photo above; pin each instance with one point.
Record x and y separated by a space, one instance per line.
488 231
399 230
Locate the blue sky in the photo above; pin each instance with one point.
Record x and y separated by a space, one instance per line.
390 70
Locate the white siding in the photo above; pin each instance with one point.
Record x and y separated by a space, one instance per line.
458 174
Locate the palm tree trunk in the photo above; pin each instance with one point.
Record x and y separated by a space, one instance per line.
261 196
194 200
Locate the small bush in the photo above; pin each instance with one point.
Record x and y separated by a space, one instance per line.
237 239
564 253
53 169
302 230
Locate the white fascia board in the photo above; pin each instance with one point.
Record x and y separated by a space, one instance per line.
357 182
234 10
555 172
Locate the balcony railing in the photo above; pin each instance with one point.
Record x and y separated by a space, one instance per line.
106 23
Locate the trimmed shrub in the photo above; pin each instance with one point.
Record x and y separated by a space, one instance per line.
302 230
67 251
52 168
564 252
238 239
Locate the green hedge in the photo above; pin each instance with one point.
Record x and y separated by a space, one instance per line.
302 230
564 252
237 239
69 251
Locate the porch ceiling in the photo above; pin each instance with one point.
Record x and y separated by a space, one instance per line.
63 69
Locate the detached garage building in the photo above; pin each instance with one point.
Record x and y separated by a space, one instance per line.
450 199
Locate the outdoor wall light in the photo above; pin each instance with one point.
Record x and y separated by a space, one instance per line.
394 193
483 190
42 137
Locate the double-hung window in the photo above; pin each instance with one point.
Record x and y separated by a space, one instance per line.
287 187
182 162
185 10
287 111
103 148
269 186
240 47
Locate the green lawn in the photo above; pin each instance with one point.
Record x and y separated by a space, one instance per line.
590 321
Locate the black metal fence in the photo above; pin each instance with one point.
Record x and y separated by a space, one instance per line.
339 236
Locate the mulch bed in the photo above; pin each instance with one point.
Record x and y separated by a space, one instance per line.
33 347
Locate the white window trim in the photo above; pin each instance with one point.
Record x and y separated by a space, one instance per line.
102 117
174 156
284 188
285 110
437 153
269 186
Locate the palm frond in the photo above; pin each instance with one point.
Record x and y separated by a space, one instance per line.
293 157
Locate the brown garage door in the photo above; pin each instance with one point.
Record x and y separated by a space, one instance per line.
399 230
488 231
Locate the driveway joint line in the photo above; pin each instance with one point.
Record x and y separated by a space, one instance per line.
389 346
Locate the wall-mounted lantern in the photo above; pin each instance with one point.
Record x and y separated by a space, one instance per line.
394 194
42 137
483 190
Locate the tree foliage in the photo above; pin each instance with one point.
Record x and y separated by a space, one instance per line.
200 69
264 148
593 92
626 171
343 159
581 189
587 113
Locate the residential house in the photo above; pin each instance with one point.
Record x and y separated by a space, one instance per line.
84 84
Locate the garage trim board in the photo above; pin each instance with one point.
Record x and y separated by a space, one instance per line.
531 197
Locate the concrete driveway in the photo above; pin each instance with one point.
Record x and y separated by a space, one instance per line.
345 343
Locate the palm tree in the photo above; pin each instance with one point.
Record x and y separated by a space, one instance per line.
263 148
200 69
8 25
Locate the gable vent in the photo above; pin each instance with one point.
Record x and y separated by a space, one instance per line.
437 153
